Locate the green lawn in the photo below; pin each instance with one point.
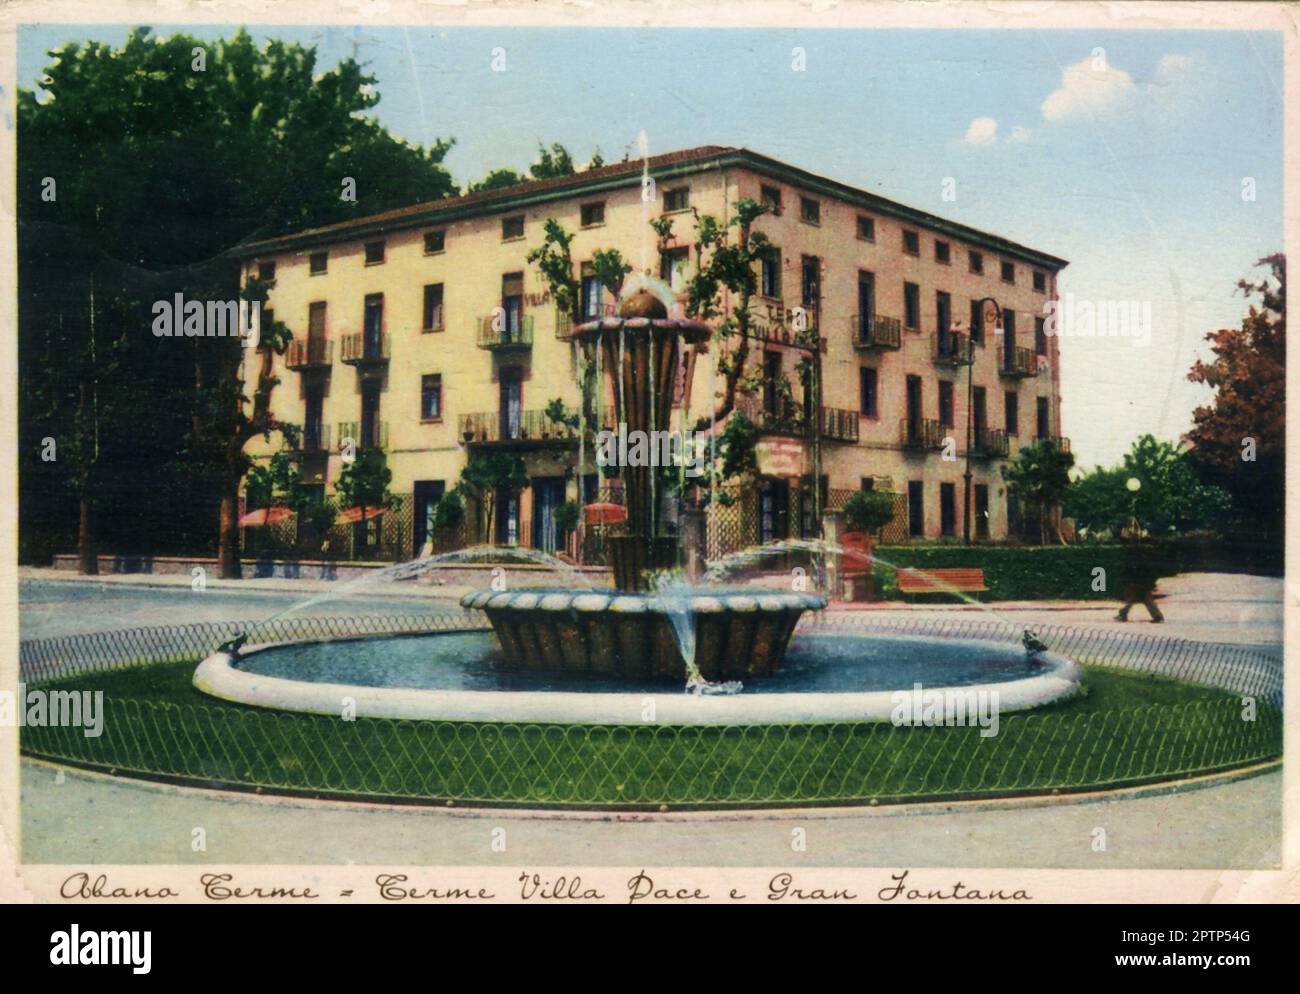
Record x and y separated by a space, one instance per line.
1125 728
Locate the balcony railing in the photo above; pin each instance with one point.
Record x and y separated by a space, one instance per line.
313 353
950 348
1061 443
374 438
315 439
1019 362
500 333
839 425
875 331
361 349
520 426
991 443
922 433
563 325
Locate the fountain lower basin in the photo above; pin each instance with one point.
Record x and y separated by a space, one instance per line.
636 636
829 676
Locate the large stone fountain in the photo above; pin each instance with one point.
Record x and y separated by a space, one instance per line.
635 632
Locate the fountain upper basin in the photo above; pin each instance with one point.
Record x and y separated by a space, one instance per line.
635 636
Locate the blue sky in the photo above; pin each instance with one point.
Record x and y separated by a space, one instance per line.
1124 152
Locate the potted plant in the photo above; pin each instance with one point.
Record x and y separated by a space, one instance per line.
866 512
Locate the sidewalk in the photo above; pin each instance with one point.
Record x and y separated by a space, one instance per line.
1208 607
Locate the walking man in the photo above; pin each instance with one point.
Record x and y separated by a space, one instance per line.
1141 571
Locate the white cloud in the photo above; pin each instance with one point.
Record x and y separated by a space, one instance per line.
1019 134
982 131
1091 87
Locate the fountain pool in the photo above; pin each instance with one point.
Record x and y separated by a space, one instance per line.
844 674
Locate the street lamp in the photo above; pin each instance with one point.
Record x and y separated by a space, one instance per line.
970 392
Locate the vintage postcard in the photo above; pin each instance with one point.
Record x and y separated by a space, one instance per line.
646 454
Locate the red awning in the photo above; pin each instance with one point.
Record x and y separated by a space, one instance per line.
265 516
605 514
354 514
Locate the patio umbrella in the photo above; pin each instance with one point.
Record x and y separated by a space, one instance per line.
354 514
265 516
605 513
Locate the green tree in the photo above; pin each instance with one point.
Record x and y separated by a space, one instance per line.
364 481
1040 476
497 179
1239 440
160 168
484 477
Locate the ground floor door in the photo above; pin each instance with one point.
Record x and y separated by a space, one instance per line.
507 523
981 511
548 494
773 511
426 496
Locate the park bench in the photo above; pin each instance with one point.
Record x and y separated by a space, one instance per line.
965 580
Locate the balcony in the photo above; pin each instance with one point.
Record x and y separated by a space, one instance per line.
360 349
950 348
497 333
875 331
304 356
1061 443
990 443
839 425
315 440
563 325
1018 363
922 434
375 438
520 428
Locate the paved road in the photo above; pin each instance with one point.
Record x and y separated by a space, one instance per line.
75 817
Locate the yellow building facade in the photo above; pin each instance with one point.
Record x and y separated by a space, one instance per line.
425 332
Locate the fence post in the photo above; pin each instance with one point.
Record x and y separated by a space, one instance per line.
832 532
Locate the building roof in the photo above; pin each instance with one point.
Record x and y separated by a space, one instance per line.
621 175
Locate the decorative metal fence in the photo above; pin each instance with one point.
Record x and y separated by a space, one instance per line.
323 532
650 765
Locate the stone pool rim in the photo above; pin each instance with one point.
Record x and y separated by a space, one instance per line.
218 677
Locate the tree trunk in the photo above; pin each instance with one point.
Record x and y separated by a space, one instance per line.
228 565
88 555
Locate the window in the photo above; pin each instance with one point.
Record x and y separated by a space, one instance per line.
945 403
374 253
593 214
771 377
915 508
316 321
512 302
911 243
1040 281
770 283
1008 272
976 322
434 242
512 227
1013 413
810 211
771 198
948 509
942 253
266 272
867 483
977 262
868 386
592 292
1008 338
318 262
1044 422
1040 336
943 312
672 268
866 228
431 397
677 199
811 272
912 305
431 319
373 341
982 510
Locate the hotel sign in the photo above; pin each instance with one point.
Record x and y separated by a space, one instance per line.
781 457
